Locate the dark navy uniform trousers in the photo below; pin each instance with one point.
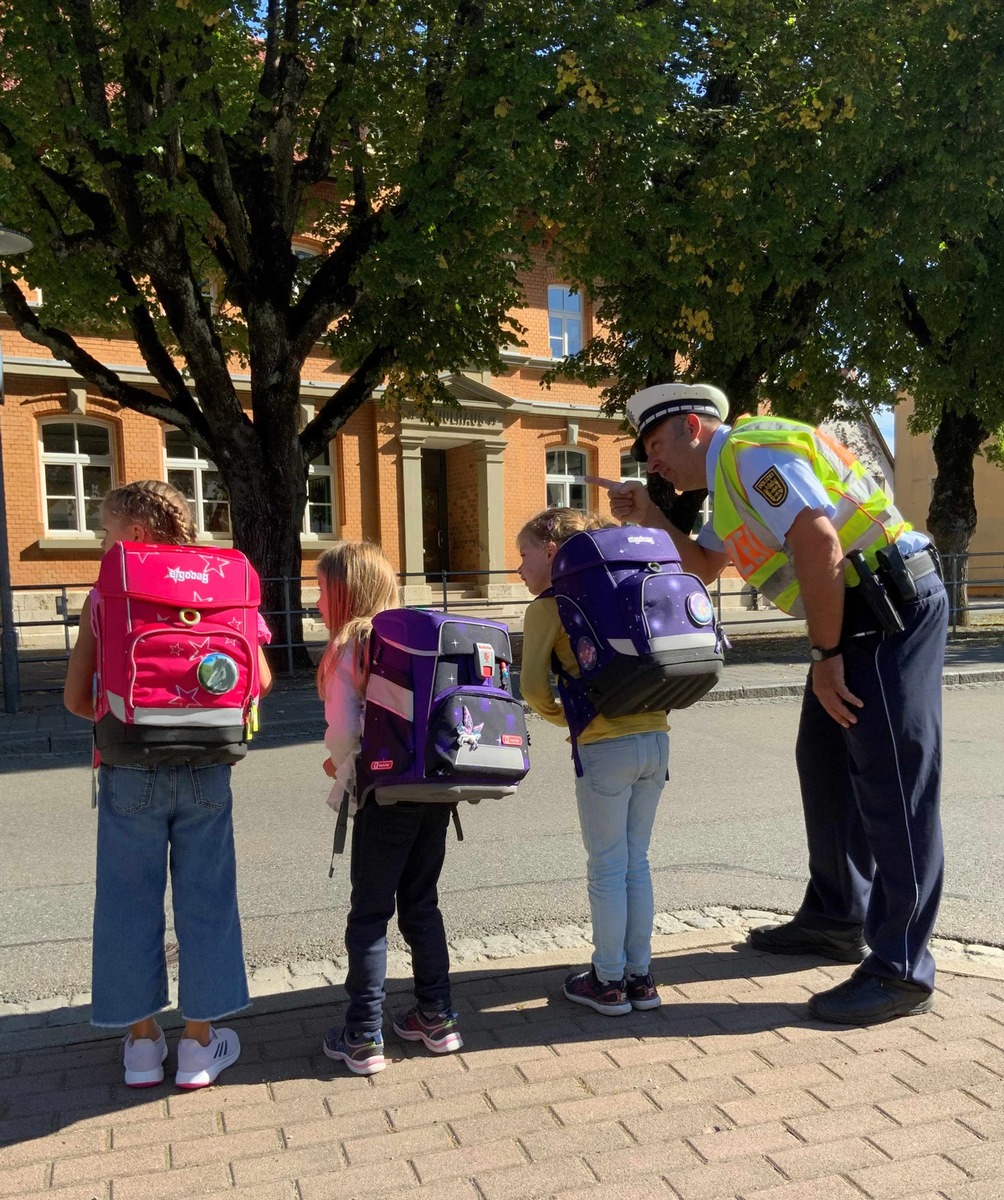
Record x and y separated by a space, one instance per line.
871 793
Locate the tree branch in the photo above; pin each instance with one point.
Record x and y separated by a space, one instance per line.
182 412
331 292
353 393
317 163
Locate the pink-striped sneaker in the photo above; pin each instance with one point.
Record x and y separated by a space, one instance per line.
439 1031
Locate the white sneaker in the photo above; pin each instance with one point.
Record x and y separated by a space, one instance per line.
198 1065
144 1060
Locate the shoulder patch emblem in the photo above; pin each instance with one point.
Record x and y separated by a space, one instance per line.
772 487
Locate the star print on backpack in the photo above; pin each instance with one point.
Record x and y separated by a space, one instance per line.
177 670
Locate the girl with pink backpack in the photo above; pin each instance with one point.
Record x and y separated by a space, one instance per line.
162 803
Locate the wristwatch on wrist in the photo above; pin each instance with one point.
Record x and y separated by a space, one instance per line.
818 654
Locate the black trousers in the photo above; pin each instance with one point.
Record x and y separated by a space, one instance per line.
397 856
871 793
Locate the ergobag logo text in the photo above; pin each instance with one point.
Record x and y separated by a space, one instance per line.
177 678
643 632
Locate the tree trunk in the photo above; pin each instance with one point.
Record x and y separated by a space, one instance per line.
265 475
951 518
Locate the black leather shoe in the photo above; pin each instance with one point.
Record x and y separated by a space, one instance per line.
867 999
844 944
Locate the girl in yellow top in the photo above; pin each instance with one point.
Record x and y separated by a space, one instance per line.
624 766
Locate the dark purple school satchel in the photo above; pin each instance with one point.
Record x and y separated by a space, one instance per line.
441 723
644 633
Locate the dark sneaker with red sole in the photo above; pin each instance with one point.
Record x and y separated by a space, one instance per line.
610 999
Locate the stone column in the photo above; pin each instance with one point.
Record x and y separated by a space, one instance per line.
415 589
491 519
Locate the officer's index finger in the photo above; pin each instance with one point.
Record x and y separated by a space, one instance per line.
604 483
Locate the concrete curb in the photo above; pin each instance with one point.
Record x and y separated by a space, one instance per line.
290 987
67 744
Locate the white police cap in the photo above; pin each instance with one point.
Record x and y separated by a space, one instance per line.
648 407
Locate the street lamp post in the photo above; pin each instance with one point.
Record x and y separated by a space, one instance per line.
11 242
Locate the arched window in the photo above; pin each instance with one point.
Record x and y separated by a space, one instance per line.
305 269
199 482
77 472
566 485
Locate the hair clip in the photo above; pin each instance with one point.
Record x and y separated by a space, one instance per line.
551 524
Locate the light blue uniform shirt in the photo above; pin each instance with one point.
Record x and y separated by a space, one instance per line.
804 491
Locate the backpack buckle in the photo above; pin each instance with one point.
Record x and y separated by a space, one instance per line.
485 654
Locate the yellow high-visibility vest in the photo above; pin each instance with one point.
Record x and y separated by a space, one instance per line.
865 518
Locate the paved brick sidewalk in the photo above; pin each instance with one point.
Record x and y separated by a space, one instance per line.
726 1091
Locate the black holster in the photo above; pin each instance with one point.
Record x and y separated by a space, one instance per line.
875 595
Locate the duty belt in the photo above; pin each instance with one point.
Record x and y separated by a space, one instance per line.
893 583
920 564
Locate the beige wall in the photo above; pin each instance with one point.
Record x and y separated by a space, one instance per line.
915 471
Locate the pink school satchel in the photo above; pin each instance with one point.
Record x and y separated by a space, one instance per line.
177 655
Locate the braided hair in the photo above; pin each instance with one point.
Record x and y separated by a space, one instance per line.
156 505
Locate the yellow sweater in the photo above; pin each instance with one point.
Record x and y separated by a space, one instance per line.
544 633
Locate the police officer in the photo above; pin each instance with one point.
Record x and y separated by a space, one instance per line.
790 506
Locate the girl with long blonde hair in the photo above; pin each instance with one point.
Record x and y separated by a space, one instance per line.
397 851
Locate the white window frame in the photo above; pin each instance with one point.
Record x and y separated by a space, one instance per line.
705 514
301 254
77 461
566 316
198 465
566 479
322 470
638 470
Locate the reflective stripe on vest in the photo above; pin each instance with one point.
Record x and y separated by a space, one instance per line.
864 516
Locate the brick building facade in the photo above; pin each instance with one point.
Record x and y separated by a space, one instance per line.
450 496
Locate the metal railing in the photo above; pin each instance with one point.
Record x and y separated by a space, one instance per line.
985 590
49 661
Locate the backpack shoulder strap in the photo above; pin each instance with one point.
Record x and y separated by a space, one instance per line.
341 827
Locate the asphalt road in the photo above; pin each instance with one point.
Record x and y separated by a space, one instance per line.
729 832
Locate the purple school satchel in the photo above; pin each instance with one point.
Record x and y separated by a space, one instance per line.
441 723
644 633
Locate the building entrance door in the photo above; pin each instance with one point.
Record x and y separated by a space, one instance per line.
435 514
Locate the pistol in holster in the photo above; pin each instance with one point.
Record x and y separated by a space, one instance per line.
875 595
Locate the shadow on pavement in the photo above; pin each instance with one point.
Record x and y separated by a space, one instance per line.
76 1078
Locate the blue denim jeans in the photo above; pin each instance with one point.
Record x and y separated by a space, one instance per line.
150 818
397 855
617 794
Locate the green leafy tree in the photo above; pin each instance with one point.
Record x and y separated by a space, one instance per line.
150 146
818 226
928 318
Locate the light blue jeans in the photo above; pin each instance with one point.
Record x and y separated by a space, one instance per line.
617 794
149 818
